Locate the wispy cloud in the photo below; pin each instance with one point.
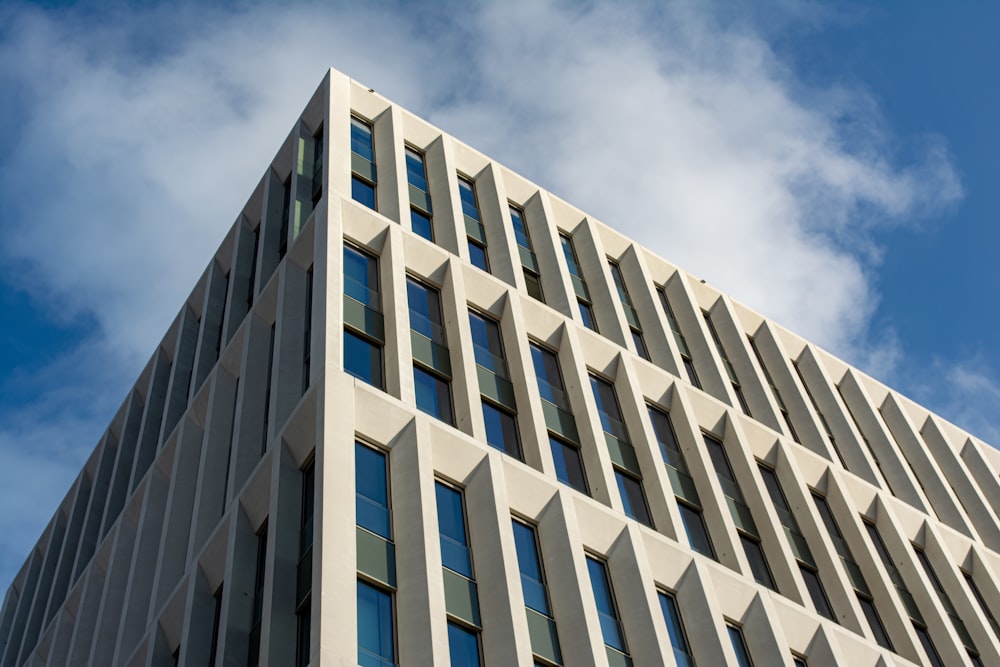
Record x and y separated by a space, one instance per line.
133 149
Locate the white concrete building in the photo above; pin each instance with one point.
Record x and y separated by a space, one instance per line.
419 411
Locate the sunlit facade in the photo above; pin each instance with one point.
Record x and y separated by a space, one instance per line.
419 411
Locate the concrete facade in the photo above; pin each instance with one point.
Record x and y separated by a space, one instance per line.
189 534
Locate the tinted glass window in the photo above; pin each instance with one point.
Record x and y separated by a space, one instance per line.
672 617
501 430
477 255
463 646
363 192
361 139
587 315
433 394
361 277
528 562
372 490
451 525
697 533
467 193
606 611
376 646
420 223
569 466
363 359
425 310
758 563
415 173
816 592
520 231
739 647
632 498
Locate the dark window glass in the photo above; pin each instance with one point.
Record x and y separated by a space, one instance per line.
570 253
529 563
372 490
463 646
467 193
799 662
363 192
739 647
875 622
534 285
697 532
253 652
486 344
303 630
632 498
587 315
758 563
361 277
549 379
361 139
816 592
607 612
640 344
678 640
691 373
416 174
216 617
619 281
433 394
501 430
664 430
451 525
421 225
607 407
929 648
363 359
982 602
520 230
569 466
425 310
477 255
376 646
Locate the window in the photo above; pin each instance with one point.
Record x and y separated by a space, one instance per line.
819 413
376 642
363 176
799 661
579 284
433 394
303 592
529 263
949 607
499 407
607 612
739 646
981 601
536 598
363 328
456 559
286 202
317 170
253 652
853 573
742 517
685 493
216 618
420 198
774 391
928 645
371 485
626 465
473 224
432 365
630 314
678 639
797 543
463 646
307 334
730 371
569 465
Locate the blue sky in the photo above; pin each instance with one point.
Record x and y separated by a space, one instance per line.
841 157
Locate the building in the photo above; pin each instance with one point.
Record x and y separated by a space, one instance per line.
419 411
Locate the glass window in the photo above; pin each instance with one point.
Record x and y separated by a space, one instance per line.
697 532
799 662
981 601
487 344
569 466
607 612
520 230
678 640
550 383
640 344
467 193
361 277
363 359
619 281
607 406
361 139
758 563
455 553
632 498
587 315
533 283
691 372
477 255
875 622
816 592
569 252
425 310
739 646
463 646
421 225
433 394
529 563
501 430
363 192
372 490
929 648
376 645
416 173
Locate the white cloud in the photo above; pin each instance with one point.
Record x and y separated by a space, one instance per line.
136 147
